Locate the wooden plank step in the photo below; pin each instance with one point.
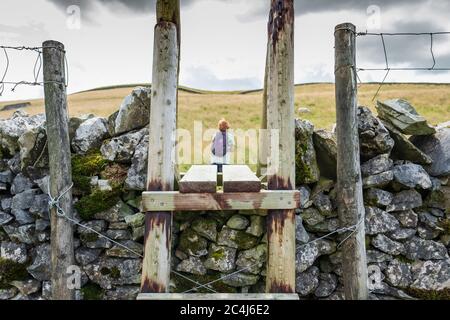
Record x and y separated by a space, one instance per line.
220 201
239 178
199 179
217 296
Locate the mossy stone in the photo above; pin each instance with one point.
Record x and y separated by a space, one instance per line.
238 222
236 239
11 271
192 243
92 291
96 202
206 227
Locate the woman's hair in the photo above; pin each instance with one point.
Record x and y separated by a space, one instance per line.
224 125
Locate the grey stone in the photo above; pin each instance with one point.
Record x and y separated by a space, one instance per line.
118 234
97 225
112 272
305 193
5 218
301 235
236 239
398 274
6 176
383 243
192 265
377 165
33 148
427 233
432 275
6 204
327 285
27 287
240 280
127 293
134 111
25 234
379 180
11 130
7 294
104 185
417 248
374 137
115 214
307 254
326 152
405 200
238 222
75 122
329 225
307 282
438 148
137 174
323 203
122 252
121 149
22 216
24 200
135 220
40 206
402 234
408 218
412 176
118 226
40 269
221 258
94 241
378 221
306 159
404 149
20 184
16 252
378 198
257 226
252 260
312 217
85 256
402 115
193 244
375 256
90 135
138 234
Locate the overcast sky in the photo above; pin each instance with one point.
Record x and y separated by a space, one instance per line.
223 41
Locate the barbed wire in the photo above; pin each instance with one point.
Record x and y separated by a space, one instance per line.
37 68
388 68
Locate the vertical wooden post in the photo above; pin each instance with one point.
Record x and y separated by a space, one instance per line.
161 161
281 170
263 137
62 252
350 194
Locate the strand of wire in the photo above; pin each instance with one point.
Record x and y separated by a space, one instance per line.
55 203
36 68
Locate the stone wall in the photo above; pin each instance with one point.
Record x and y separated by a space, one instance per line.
407 220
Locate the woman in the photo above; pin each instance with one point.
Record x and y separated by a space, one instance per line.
222 145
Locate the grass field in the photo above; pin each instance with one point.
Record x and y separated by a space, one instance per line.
243 109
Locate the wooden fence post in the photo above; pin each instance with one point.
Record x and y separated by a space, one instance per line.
281 170
161 162
62 252
350 194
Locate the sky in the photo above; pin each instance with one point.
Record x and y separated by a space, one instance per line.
110 42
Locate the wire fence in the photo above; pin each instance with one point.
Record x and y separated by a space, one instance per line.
388 66
36 71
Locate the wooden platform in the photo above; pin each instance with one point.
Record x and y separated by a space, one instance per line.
217 296
240 179
199 179
220 201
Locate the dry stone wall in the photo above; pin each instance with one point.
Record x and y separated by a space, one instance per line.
406 191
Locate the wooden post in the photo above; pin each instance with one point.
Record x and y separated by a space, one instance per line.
62 252
263 138
281 170
350 194
161 164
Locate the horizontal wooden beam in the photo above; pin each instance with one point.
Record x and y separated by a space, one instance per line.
216 296
176 201
239 178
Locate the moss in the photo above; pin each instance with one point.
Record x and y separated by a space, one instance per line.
429 294
11 271
219 254
89 237
114 272
92 291
182 285
85 167
445 224
405 259
115 173
97 201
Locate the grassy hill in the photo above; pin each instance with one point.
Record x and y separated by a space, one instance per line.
243 108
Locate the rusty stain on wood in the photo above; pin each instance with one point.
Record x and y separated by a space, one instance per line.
281 14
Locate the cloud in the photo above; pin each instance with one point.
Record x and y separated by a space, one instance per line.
204 78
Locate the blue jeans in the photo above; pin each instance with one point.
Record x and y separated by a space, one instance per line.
219 167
